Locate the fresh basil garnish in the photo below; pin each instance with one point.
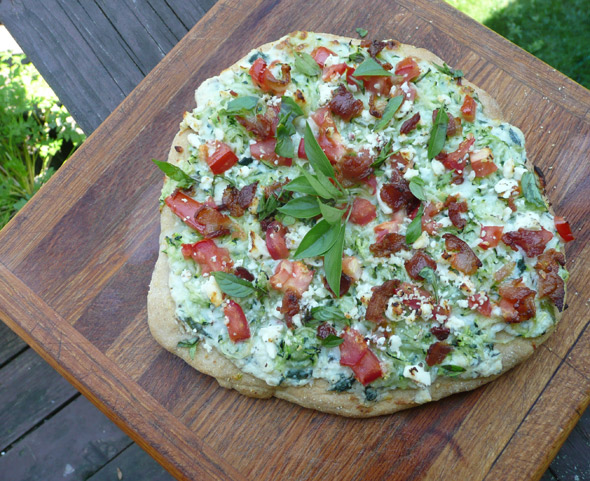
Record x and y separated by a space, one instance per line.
190 345
429 275
306 64
285 129
449 71
331 214
318 240
384 154
417 188
438 134
390 109
233 285
370 68
415 228
362 32
531 191
175 173
327 313
301 184
304 207
316 156
333 261
356 57
289 106
332 341
241 105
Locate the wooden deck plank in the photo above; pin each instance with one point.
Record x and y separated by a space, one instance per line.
132 464
72 445
10 344
30 390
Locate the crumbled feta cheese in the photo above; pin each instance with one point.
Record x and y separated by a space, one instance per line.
422 241
325 92
186 275
395 342
518 171
411 173
437 167
508 168
418 374
206 183
211 289
504 187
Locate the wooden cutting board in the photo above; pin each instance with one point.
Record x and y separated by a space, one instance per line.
75 265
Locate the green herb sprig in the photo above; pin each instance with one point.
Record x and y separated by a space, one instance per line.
438 134
175 173
449 71
235 286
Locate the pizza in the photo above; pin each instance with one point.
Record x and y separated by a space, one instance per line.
351 226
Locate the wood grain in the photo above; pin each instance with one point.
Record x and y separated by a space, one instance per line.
98 219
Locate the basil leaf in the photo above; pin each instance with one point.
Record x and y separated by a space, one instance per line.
304 207
370 68
318 240
392 105
449 71
428 274
316 156
438 134
333 262
415 228
452 370
320 188
191 345
327 313
331 214
332 341
356 57
288 106
302 185
284 146
305 64
232 285
175 173
383 155
362 32
241 105
267 206
417 188
531 191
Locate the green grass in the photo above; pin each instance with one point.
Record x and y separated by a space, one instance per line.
556 31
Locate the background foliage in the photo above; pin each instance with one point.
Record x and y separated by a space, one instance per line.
37 133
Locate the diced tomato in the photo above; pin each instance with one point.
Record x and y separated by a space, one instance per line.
563 229
301 150
408 92
222 157
368 369
275 240
353 348
204 218
209 256
532 242
408 69
490 236
263 78
320 54
456 160
481 303
380 85
363 211
329 137
265 150
371 183
184 207
389 227
237 324
468 108
293 276
339 69
482 162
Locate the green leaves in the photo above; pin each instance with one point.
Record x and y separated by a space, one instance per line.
392 105
383 155
301 207
285 128
332 341
531 191
417 188
333 261
305 64
438 134
370 68
449 71
241 105
175 173
301 185
190 345
362 32
429 275
332 215
234 286
316 156
318 240
356 57
327 313
415 228
288 106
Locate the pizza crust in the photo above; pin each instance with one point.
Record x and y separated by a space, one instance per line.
166 329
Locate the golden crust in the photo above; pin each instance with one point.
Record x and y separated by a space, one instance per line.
165 329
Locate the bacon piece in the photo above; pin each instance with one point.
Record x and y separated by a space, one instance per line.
463 258
237 201
551 285
440 332
456 160
430 211
208 255
532 242
374 109
345 283
437 353
293 276
410 124
388 244
263 126
244 273
324 330
363 211
379 299
329 138
389 227
290 307
455 210
356 167
419 261
504 271
375 47
517 302
211 222
397 194
344 104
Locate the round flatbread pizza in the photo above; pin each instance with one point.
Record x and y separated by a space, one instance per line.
351 226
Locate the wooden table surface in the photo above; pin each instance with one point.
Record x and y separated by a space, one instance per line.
75 264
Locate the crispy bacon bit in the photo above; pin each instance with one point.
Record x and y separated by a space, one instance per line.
463 258
455 210
389 227
430 211
374 109
440 332
290 307
397 194
532 242
324 330
504 271
263 126
237 201
263 78
244 273
375 47
345 283
356 167
379 299
419 261
410 124
456 160
551 285
388 244
344 104
293 276
517 302
211 222
437 353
